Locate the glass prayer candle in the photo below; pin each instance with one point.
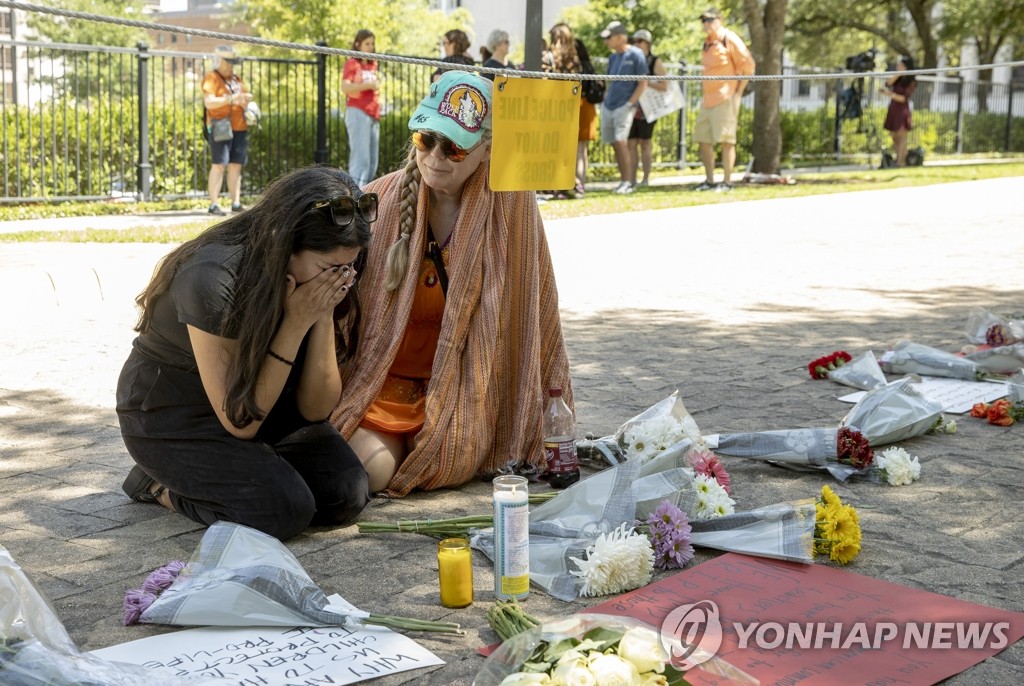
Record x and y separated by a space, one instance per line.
511 537
455 571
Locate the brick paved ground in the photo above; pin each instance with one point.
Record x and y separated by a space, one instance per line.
725 303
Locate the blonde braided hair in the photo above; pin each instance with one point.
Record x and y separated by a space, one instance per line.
398 253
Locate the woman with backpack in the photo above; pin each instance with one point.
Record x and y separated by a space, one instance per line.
568 55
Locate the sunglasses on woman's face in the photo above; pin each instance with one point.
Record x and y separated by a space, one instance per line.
425 142
343 208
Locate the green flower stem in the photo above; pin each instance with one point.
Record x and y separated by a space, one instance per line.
410 624
443 528
508 618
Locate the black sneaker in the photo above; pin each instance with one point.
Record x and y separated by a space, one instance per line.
215 209
236 207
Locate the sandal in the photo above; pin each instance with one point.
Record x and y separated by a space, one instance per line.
138 484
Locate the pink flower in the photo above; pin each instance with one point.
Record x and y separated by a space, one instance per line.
707 463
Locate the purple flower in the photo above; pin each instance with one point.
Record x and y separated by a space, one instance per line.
681 551
136 601
667 517
161 579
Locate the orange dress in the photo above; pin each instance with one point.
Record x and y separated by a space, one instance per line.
400 407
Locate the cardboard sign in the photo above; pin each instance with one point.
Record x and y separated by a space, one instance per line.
909 636
656 104
277 656
536 130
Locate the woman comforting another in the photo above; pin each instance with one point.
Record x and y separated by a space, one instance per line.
461 336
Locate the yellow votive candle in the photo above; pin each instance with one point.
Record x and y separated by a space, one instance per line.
455 571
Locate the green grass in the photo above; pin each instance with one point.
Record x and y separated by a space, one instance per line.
662 197
595 202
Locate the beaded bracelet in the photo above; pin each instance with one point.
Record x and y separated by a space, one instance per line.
281 359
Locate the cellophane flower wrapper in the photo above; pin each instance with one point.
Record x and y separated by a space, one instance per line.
565 526
614 449
242 577
861 372
36 650
1003 359
893 413
908 357
884 415
980 323
1015 387
510 656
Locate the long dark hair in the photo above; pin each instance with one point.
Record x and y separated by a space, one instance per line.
459 40
361 35
271 231
908 62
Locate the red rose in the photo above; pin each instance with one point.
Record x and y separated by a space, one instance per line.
980 410
999 413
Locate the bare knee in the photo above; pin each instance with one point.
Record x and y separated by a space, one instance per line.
381 454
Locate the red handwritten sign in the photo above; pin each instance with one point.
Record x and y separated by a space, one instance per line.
815 625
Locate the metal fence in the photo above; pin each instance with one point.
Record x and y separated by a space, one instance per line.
85 122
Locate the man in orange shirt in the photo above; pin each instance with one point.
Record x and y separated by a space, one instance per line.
724 55
224 97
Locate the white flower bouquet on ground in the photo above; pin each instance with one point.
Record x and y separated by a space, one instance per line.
590 649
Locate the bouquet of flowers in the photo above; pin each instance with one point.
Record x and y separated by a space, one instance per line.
242 577
590 649
836 528
984 327
35 648
885 415
860 372
915 358
1002 412
821 367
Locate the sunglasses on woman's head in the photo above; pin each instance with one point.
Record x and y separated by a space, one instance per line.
343 208
425 142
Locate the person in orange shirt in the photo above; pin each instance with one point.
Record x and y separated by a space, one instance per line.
224 96
724 55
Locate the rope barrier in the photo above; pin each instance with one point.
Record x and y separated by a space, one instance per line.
400 59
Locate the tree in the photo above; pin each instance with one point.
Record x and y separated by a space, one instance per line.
988 26
767 26
104 73
906 27
407 27
87 32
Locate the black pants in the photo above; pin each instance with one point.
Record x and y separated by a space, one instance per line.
292 474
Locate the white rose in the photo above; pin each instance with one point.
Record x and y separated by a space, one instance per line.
573 672
642 647
612 670
526 679
652 679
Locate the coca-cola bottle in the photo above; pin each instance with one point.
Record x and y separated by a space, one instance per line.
560 442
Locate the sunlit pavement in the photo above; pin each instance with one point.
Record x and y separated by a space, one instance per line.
726 303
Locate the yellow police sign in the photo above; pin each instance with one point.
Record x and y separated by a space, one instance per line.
536 129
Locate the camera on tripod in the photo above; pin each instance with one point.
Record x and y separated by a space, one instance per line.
864 61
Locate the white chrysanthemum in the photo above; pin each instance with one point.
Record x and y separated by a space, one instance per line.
898 466
644 440
701 508
712 500
702 483
618 561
